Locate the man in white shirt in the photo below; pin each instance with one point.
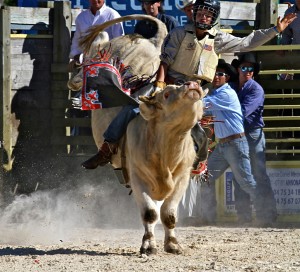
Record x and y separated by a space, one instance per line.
97 14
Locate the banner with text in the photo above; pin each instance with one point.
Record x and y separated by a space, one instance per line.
285 183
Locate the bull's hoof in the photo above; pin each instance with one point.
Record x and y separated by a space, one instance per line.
148 246
174 250
172 246
148 251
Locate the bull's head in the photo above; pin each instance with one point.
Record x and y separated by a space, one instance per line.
175 102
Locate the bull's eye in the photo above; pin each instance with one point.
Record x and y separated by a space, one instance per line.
166 95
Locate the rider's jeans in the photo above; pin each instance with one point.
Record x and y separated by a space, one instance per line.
118 125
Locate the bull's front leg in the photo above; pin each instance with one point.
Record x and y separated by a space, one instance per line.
168 216
149 215
150 218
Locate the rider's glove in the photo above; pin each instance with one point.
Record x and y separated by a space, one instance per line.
158 87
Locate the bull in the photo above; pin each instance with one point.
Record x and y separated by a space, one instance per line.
159 153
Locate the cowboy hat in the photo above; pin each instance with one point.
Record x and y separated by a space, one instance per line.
247 57
185 3
229 69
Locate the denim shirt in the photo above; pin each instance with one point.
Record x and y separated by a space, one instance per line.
252 99
223 103
168 20
291 35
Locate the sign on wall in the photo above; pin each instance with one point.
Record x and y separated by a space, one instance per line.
134 7
286 187
285 183
123 7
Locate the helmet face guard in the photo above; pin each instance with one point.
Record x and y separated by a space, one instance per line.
212 6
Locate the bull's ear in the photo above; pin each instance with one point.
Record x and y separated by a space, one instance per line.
205 92
147 110
207 88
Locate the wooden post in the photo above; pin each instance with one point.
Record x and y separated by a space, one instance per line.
268 13
5 95
61 49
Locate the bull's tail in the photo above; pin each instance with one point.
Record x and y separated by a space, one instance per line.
86 42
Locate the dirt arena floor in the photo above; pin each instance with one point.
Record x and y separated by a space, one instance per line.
96 227
206 249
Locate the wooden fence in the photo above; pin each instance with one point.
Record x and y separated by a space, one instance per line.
35 100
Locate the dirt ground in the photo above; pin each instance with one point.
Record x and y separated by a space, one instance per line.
96 227
206 249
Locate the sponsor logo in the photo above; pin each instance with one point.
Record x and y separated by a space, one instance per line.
191 46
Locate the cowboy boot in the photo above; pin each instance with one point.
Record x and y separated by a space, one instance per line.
103 156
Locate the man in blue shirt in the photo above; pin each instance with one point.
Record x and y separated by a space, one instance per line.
154 8
291 35
232 149
251 96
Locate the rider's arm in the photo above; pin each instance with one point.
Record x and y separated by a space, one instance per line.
162 71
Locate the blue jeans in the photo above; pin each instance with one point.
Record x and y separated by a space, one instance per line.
233 154
266 204
118 125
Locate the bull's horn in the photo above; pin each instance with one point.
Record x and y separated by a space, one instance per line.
147 99
86 41
150 101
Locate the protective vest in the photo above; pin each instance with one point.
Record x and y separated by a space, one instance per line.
197 59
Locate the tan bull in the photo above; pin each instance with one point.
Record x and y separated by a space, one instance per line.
159 154
159 149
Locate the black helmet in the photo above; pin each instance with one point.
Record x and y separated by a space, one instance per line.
210 5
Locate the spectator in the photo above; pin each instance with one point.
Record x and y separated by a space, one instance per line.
187 8
154 8
251 97
291 35
97 14
232 149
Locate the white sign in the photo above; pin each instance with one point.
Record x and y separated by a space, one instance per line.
286 187
285 183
